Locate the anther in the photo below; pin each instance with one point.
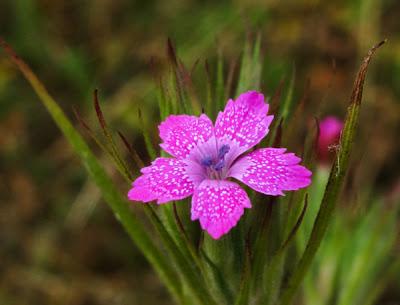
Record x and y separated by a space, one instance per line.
224 149
207 161
219 165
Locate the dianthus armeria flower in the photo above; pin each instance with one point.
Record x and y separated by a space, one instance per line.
205 158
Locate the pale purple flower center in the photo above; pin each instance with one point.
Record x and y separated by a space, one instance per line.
212 159
215 164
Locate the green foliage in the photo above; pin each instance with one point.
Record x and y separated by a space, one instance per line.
114 198
354 256
335 181
266 258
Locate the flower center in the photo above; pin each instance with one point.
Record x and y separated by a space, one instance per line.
215 165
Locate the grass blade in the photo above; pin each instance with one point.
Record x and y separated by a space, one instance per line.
244 289
118 204
147 139
189 272
220 96
120 163
133 153
112 196
336 179
250 68
287 105
295 228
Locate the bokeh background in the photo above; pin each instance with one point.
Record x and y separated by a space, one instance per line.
59 243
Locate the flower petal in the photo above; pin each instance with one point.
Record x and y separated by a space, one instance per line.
218 204
271 171
244 120
164 180
181 133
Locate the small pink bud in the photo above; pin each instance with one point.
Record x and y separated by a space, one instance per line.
329 134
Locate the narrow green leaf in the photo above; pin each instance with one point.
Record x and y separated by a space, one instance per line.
374 239
272 272
261 246
216 279
119 205
121 169
287 105
336 179
110 139
219 261
191 249
178 234
112 196
135 156
189 90
277 123
220 96
163 104
147 139
250 69
210 104
274 268
244 290
316 191
177 79
229 84
92 134
244 72
192 278
276 97
295 228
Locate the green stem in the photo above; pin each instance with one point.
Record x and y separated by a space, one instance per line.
336 179
112 196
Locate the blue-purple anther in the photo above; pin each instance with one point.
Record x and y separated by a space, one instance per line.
223 151
207 161
218 163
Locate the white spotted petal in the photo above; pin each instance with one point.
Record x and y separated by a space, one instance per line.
271 171
182 133
244 120
164 180
218 204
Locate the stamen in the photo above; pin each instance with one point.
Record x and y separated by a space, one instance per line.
223 151
219 165
214 165
207 161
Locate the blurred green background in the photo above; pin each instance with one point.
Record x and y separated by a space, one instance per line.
59 244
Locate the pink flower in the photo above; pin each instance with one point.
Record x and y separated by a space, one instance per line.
329 134
205 157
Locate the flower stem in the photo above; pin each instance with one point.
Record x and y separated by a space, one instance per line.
336 179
